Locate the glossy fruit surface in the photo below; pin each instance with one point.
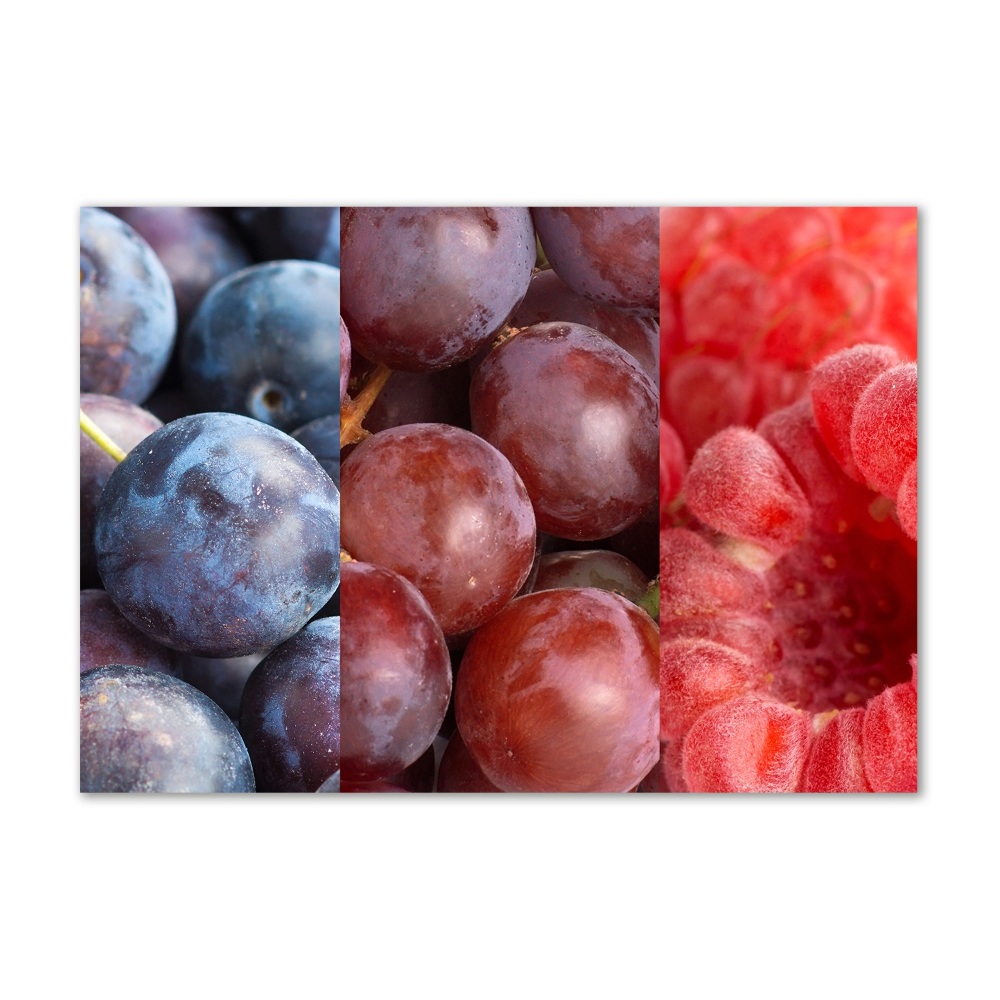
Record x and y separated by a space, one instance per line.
459 771
550 300
578 419
606 254
600 568
444 509
396 673
425 288
560 692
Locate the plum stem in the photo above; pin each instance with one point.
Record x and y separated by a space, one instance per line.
100 438
354 411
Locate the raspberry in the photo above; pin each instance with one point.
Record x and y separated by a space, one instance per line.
906 501
825 304
835 762
884 428
708 394
837 384
695 579
696 675
749 744
738 484
771 240
788 559
686 234
836 501
890 740
672 463
727 305
671 767
778 288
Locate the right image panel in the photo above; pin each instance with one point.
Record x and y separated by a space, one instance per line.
788 499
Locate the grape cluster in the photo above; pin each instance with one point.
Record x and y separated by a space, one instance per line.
500 418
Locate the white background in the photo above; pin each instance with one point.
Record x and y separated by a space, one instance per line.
680 896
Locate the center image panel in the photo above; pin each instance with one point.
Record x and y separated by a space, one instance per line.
499 499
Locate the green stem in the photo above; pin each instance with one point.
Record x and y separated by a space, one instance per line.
100 438
650 601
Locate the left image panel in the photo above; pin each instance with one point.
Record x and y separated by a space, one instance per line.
210 396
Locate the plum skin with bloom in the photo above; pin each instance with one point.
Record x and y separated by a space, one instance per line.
128 316
220 536
290 711
146 731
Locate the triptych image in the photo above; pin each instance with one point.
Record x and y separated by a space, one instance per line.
510 499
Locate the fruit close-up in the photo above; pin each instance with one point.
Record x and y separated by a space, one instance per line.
501 412
788 508
514 500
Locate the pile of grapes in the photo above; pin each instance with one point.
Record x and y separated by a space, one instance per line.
499 498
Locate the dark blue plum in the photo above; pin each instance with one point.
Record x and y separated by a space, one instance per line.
332 784
197 246
223 680
290 712
265 342
128 317
322 438
143 731
301 233
220 536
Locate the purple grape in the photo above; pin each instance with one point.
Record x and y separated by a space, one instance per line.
425 288
611 255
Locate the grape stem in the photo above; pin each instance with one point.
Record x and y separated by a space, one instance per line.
100 438
354 411
650 601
